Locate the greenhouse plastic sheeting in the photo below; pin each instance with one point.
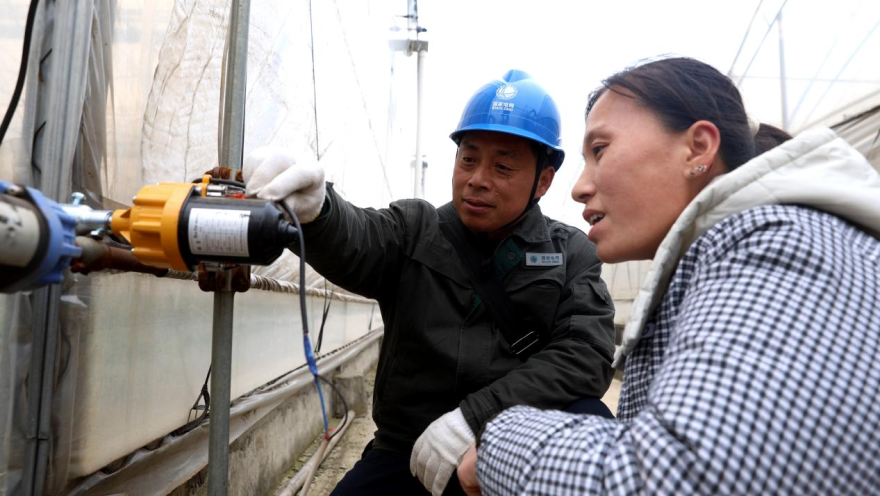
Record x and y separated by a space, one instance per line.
15 154
348 91
145 348
862 130
12 443
15 310
133 350
815 62
624 281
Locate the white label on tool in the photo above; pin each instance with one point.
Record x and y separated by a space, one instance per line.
218 232
19 234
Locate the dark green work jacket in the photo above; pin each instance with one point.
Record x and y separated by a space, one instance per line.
441 350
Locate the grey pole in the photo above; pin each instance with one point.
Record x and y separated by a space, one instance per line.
421 48
783 84
231 153
232 134
221 380
419 189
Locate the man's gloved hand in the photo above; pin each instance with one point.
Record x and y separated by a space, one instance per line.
439 449
272 173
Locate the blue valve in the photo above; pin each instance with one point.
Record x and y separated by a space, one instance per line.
37 239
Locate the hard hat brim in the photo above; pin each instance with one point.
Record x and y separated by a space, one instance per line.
558 155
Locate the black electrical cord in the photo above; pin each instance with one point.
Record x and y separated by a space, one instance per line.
192 424
22 70
344 406
327 301
302 264
229 182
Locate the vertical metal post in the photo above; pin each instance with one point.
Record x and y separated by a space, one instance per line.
231 154
221 380
419 190
46 328
420 47
55 151
782 82
412 15
232 134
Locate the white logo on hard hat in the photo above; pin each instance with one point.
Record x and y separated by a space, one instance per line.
506 92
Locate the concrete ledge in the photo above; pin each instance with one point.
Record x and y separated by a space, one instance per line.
351 384
259 458
269 426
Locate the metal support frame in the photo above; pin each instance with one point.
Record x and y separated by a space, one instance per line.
232 134
419 190
783 83
63 92
46 329
420 47
231 154
221 382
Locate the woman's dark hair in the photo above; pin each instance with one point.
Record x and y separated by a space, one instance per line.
769 137
681 91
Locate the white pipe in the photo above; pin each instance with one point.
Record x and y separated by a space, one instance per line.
782 82
419 187
313 469
307 473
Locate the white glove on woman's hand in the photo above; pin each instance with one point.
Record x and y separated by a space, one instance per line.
439 449
272 173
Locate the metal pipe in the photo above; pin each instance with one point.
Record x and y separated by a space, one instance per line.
61 97
87 218
232 134
221 380
231 154
419 189
101 256
306 474
412 15
46 328
783 90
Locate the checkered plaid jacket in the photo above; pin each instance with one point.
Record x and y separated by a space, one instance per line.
758 372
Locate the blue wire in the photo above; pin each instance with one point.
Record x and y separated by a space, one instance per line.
313 368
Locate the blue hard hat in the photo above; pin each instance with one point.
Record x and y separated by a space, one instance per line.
514 104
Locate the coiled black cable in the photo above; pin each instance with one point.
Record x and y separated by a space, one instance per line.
22 70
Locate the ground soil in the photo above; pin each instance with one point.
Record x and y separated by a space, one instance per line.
348 450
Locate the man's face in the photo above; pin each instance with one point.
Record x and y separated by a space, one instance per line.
492 179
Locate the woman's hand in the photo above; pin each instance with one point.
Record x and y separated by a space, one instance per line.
467 472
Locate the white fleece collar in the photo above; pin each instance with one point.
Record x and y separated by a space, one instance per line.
817 169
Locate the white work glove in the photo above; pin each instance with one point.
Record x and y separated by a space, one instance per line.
439 450
272 173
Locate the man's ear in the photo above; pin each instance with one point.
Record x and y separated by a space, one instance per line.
544 181
703 139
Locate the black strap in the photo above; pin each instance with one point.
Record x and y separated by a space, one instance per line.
489 289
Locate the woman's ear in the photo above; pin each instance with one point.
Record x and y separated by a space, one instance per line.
703 140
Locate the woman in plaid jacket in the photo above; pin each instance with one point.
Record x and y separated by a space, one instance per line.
753 350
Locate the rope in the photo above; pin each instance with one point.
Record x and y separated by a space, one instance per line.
262 283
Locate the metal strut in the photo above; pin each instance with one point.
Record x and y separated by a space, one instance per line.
231 151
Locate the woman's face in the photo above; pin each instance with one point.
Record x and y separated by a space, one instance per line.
635 179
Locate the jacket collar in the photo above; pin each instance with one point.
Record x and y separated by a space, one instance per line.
816 169
533 228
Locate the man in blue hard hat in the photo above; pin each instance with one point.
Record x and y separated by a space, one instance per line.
486 302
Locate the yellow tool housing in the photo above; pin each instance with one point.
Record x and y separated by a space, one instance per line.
151 224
